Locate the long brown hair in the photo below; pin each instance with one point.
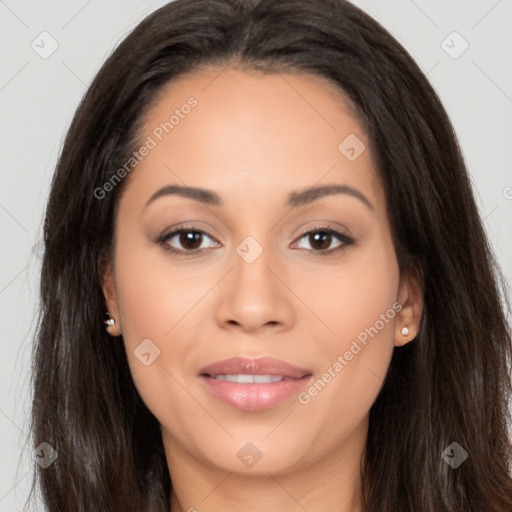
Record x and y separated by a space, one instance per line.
451 384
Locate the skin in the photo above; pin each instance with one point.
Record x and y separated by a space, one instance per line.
253 138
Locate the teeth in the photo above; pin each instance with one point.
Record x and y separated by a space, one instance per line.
250 379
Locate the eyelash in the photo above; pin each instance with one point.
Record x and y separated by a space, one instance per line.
317 229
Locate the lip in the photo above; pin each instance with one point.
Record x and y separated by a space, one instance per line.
252 396
260 366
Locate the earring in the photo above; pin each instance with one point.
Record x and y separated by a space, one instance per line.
405 331
110 326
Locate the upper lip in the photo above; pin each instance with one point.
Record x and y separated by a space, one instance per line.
248 366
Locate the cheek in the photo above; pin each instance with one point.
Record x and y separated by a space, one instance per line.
360 306
155 294
162 302
154 306
351 297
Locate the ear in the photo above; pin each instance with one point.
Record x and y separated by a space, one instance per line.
107 281
410 296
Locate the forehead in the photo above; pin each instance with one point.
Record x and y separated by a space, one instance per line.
254 133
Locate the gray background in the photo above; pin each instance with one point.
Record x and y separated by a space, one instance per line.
38 97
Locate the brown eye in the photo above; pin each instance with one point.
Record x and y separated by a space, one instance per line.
321 238
187 239
190 240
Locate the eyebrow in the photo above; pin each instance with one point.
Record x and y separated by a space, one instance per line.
295 198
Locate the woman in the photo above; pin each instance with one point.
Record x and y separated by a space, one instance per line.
367 370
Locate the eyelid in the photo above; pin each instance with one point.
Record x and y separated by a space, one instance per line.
322 225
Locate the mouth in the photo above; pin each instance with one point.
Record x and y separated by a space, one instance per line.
247 378
253 384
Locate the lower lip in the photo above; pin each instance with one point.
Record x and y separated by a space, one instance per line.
254 397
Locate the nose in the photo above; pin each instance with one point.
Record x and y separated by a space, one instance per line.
255 297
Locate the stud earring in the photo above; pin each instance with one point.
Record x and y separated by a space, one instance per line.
110 326
405 331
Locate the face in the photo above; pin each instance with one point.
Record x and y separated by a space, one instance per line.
258 270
